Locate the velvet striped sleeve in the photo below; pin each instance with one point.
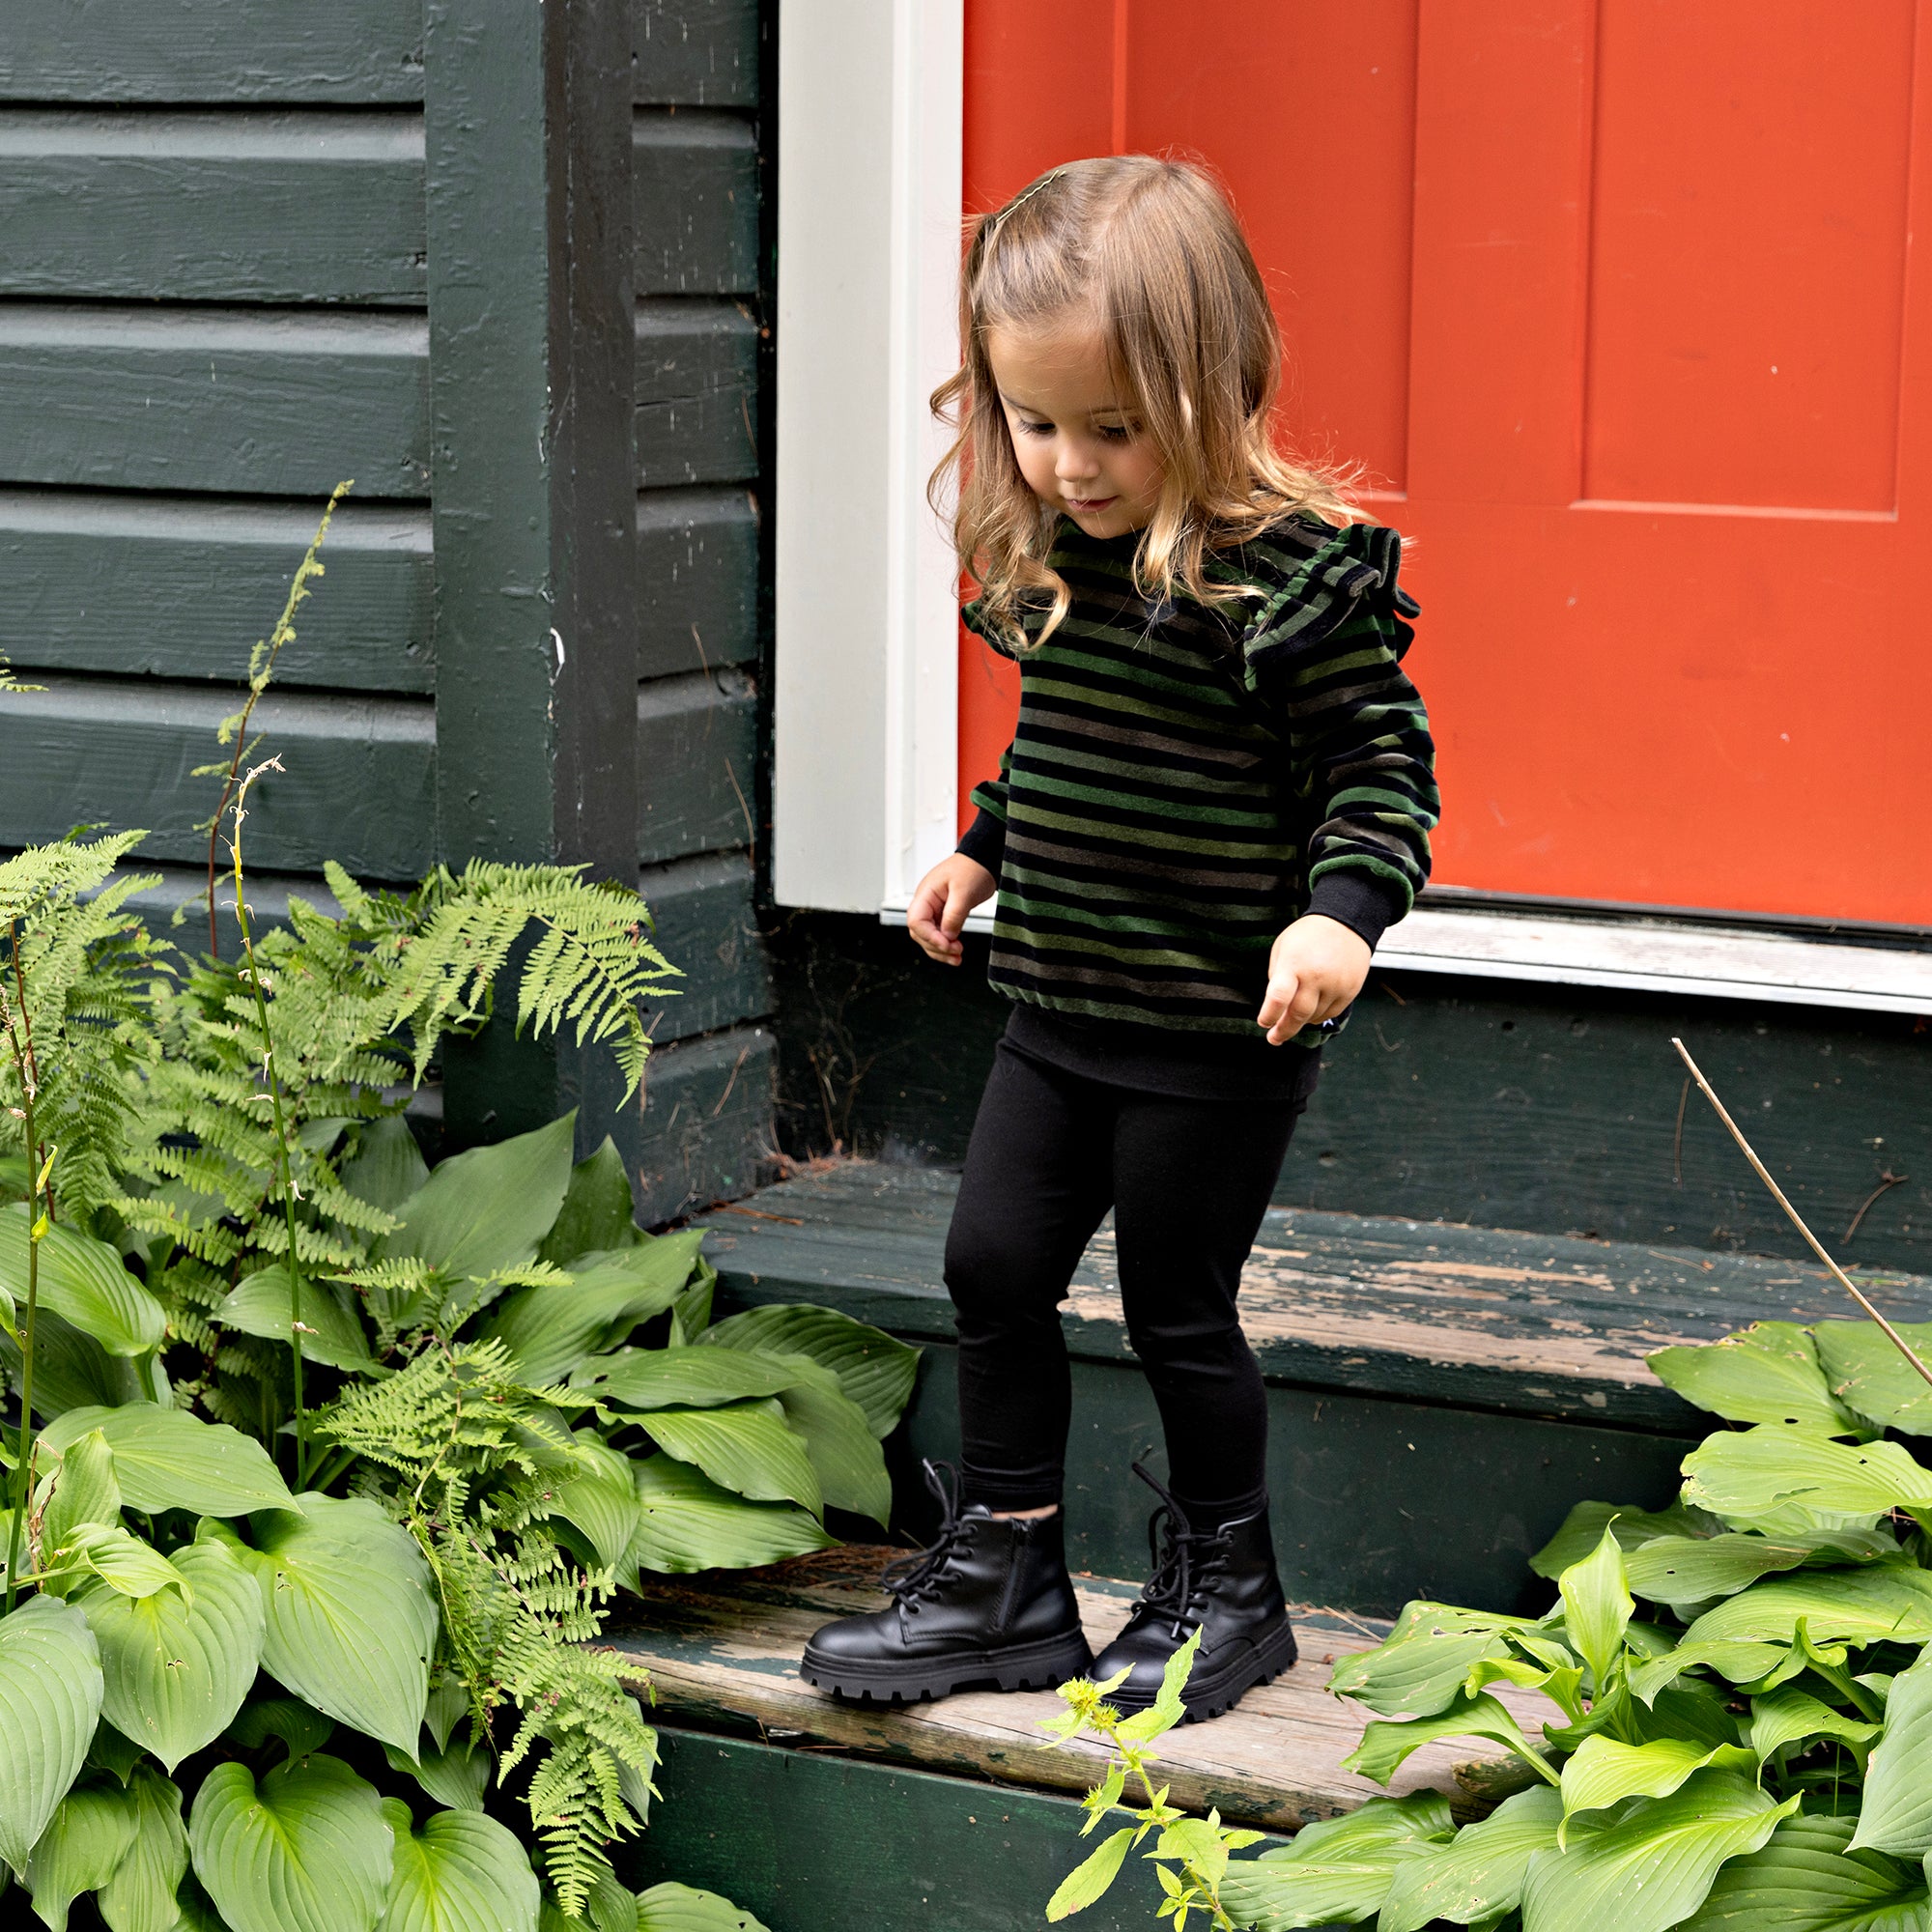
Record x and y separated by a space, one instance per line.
1326 651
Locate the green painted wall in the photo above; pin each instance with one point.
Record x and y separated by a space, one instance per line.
507 267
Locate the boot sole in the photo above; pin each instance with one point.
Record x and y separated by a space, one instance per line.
1210 1696
1023 1667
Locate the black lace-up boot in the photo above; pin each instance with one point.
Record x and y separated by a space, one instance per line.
1220 1581
989 1603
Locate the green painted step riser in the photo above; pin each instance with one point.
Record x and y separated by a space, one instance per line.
1374 1502
815 1843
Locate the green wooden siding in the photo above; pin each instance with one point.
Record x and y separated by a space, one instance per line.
221 299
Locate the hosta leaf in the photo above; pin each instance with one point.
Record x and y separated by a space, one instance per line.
1385 1747
1897 1814
351 1618
140 1896
1786 1716
1090 1879
83 1281
457 1775
1774 1479
745 1447
874 1368
1479 1873
85 1490
49 1702
1649 1861
74 1370
688 1522
1805 1880
332 1330
1585 1527
1420 1667
1836 1605
462 1872
691 1378
85 1841
1679 1569
176 1669
167 1459
681 1908
306 1851
551 1329
1340 1869
300 1729
388 1166
844 1453
1769 1372
598 1209
119 1560
1596 1606
488 1209
1603 1772
1742 1662
1868 1375
601 1498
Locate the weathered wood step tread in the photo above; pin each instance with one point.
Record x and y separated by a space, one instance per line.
1537 1325
721 1653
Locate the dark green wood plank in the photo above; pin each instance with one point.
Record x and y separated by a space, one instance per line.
809 1843
698 579
698 752
708 927
356 785
697 392
1533 1323
183 588
702 53
360 51
694 193
315 205
272 401
1451 1099
707 1125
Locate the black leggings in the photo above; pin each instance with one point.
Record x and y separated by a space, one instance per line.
1188 1182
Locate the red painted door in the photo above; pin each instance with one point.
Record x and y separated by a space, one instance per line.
1619 303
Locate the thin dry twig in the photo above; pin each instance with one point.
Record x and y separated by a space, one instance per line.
1817 1247
1886 1179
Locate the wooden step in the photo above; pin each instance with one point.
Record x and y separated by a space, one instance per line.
720 1654
1534 1325
1394 1352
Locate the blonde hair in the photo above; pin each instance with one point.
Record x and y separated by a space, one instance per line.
1152 251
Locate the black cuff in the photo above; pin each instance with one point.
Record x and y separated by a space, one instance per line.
984 841
1366 905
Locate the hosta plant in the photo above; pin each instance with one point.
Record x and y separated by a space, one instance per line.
1743 1682
325 1463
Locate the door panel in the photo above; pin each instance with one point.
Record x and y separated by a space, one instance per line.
1615 302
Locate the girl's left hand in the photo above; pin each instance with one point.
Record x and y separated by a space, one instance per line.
1316 968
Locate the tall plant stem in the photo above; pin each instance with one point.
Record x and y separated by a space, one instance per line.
285 1175
261 669
21 1041
1817 1247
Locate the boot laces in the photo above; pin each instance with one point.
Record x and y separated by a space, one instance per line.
913 1578
1182 1557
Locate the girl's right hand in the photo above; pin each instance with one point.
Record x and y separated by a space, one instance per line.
940 904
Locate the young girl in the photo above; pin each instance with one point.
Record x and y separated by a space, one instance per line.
1218 797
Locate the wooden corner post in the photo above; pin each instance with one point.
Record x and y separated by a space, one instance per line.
527 129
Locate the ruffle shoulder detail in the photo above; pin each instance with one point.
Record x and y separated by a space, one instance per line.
1317 579
974 616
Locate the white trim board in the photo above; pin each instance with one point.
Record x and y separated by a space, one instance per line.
865 752
1657 956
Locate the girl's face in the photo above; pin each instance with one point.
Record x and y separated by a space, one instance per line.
1078 446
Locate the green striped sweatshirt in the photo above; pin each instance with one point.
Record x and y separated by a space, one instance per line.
1187 780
